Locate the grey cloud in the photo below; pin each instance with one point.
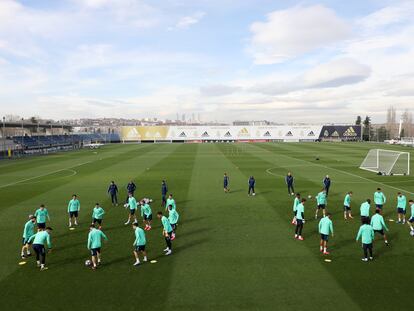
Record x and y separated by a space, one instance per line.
218 90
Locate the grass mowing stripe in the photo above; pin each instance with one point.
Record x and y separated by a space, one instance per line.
264 202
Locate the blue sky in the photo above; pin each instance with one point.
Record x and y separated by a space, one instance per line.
285 61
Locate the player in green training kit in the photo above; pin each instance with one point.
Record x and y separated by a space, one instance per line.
321 203
41 215
347 206
139 243
300 219
378 224
364 209
379 199
325 227
366 234
173 219
410 221
132 206
94 245
401 207
39 240
28 231
167 232
73 210
170 201
97 215
296 202
146 213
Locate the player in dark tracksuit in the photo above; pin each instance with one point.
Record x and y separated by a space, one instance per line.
131 187
327 184
164 191
290 182
226 181
252 183
113 191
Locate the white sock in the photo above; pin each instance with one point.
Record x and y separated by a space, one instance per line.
137 260
22 253
28 252
42 266
324 249
145 258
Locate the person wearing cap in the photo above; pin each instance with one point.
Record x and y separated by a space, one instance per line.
39 240
28 231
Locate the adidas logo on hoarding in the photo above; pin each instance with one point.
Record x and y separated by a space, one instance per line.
205 134
335 134
267 134
311 133
133 133
227 134
289 133
183 134
350 132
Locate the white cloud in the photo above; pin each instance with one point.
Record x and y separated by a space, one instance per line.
292 32
187 21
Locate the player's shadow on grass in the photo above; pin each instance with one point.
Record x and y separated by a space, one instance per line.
193 232
193 219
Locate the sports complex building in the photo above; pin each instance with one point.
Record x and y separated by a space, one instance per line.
21 138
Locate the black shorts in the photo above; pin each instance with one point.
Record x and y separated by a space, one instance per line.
379 206
299 222
73 214
99 221
132 211
411 220
401 210
170 234
324 237
347 208
321 206
174 226
95 251
149 217
379 231
39 249
225 186
140 248
41 225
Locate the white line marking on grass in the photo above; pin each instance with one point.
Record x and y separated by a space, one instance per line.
347 173
42 175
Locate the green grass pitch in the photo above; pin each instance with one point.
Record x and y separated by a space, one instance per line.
232 251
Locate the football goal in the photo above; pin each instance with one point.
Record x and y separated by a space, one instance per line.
387 162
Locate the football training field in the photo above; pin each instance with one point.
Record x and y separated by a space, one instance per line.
232 251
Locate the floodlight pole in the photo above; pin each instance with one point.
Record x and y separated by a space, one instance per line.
22 134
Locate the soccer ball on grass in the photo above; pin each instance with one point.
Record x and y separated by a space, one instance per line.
88 263
126 205
412 233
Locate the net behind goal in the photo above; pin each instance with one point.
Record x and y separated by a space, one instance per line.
387 162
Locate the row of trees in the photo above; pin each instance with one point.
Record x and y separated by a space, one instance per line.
369 134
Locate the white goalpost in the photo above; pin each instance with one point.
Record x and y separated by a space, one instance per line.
387 162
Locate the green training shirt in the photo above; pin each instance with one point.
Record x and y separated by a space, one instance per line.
74 205
139 237
377 222
98 212
299 210
171 202
296 202
132 203
95 238
146 210
401 202
42 238
173 217
41 215
365 209
347 200
379 198
321 198
28 230
325 226
166 224
366 233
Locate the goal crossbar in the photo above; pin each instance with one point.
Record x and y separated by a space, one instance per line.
388 162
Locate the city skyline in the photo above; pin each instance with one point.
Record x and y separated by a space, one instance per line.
281 61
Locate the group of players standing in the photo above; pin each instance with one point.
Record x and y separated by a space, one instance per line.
366 232
370 225
42 238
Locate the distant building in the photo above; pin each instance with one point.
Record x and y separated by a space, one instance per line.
251 123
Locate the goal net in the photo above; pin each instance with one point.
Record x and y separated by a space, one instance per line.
387 162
